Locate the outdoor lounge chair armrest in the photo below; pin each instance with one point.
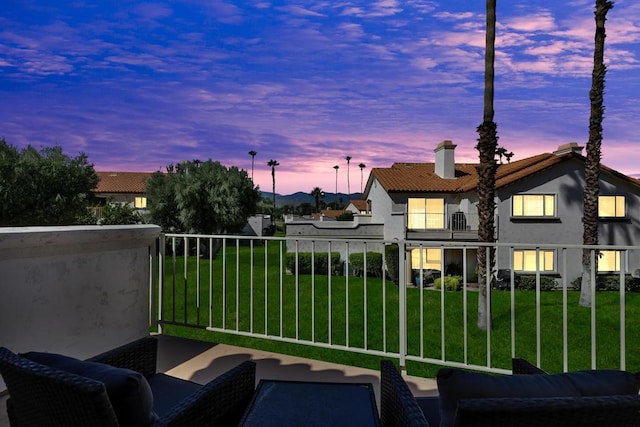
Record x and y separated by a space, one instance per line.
618 410
398 406
140 356
521 366
222 401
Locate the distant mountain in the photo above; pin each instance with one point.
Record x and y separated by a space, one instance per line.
301 197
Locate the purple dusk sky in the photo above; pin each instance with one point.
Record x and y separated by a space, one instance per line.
139 85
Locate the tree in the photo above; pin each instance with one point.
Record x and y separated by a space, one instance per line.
335 202
317 194
119 214
361 166
273 163
348 159
502 152
253 157
592 164
202 197
161 200
44 187
304 208
487 146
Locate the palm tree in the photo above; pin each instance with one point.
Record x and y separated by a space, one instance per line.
335 201
348 159
273 164
361 166
253 156
317 194
487 146
592 164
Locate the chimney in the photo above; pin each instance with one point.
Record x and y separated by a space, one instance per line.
571 147
445 160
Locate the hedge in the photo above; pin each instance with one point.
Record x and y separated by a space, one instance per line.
320 262
391 253
374 263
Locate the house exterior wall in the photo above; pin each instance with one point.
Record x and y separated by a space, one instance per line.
454 203
384 210
566 181
128 198
256 225
76 290
359 228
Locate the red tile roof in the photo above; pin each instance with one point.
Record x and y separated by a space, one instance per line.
359 204
122 182
421 177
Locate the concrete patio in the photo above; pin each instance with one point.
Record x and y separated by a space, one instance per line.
201 361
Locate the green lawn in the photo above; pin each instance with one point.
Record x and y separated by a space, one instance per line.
307 301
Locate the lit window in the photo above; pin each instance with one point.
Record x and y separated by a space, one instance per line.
534 205
431 258
140 202
525 260
611 207
424 214
609 261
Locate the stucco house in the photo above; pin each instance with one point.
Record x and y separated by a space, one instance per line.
123 187
538 201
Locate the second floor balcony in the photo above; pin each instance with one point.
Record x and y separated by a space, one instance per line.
84 290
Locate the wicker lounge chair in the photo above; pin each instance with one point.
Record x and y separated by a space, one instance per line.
398 407
44 395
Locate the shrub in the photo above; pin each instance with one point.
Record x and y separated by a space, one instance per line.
528 283
269 230
320 261
347 216
391 253
374 263
119 214
610 282
451 283
453 269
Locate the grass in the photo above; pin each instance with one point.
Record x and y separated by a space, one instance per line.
300 308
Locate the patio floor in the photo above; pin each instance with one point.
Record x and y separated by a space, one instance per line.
201 361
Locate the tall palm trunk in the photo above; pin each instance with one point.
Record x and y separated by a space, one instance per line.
487 146
273 164
348 159
592 165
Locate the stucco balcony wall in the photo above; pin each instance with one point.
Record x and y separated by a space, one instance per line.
77 290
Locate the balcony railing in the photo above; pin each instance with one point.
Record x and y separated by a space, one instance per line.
362 299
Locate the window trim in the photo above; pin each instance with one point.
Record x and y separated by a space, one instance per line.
614 218
543 217
425 258
425 213
553 252
141 199
621 255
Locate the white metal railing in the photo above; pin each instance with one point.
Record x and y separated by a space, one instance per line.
294 290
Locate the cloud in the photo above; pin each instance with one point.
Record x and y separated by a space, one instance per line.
453 16
153 10
540 22
300 11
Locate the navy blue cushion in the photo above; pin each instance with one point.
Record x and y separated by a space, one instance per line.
454 385
430 407
169 392
604 382
129 391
